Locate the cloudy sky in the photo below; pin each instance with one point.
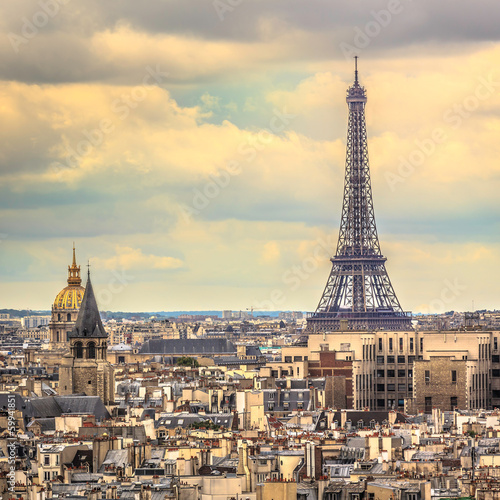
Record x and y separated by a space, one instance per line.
194 149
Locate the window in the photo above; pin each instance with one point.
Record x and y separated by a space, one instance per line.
401 402
379 344
57 459
495 358
401 360
453 402
411 359
390 373
391 387
286 395
402 373
380 373
91 350
360 424
401 387
421 344
495 343
495 372
410 387
390 344
400 343
78 350
380 387
46 460
288 359
381 403
427 376
411 344
380 360
428 404
297 358
410 373
301 395
391 403
271 395
46 476
453 376
390 359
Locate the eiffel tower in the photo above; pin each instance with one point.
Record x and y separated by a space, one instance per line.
358 294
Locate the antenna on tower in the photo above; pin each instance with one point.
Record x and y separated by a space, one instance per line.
355 70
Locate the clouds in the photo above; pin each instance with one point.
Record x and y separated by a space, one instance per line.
74 41
205 157
133 258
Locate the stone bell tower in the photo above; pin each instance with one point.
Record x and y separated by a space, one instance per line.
86 370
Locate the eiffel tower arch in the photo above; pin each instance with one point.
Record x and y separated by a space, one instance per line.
358 294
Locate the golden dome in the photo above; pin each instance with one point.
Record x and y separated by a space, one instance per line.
71 296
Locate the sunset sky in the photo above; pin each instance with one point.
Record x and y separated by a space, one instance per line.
194 149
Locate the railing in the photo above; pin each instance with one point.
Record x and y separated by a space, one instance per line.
358 315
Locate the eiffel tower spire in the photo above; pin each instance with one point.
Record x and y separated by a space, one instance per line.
358 289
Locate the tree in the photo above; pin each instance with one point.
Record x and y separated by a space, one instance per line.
187 361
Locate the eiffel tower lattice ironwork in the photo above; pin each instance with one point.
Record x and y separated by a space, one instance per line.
358 289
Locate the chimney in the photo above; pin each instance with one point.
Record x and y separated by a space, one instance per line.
343 418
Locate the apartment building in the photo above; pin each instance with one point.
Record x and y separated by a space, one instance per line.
398 370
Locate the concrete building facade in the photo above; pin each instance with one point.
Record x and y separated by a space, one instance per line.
385 364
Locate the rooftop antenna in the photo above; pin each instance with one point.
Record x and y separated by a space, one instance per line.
355 70
88 271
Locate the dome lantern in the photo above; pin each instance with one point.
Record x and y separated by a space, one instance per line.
74 272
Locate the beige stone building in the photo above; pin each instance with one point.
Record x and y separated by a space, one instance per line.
85 369
385 365
440 381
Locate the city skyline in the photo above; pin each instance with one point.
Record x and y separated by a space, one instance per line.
197 159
